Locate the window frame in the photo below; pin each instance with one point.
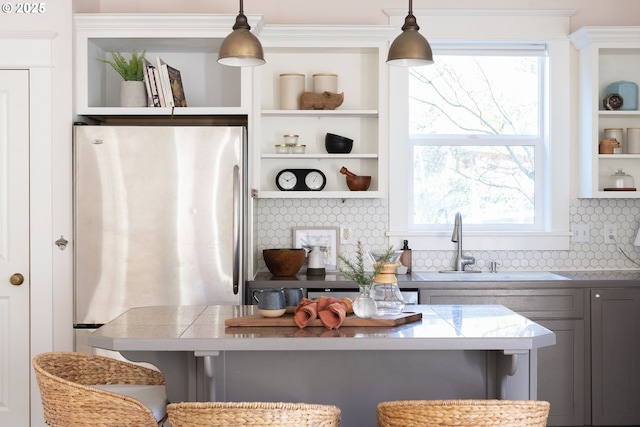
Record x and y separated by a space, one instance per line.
547 27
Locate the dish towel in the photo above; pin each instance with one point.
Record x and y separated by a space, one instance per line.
305 312
331 311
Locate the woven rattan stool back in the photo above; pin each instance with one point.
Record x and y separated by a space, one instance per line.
69 400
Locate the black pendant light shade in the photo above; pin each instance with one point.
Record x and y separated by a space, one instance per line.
410 49
241 48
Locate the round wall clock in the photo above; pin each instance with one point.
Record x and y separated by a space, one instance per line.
286 180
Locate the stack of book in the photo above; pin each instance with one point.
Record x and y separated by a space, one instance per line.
164 85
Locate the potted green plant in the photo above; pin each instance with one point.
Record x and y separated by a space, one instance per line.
132 89
363 306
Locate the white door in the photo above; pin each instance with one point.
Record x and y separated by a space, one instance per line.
15 363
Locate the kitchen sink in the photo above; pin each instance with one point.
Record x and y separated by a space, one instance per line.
501 276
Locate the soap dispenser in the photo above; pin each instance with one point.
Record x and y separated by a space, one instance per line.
405 258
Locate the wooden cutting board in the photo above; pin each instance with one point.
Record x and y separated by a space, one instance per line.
350 320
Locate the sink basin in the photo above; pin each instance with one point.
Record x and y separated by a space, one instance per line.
459 272
501 276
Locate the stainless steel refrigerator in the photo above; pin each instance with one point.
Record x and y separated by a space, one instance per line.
159 219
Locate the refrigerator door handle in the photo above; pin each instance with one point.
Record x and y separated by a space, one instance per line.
236 227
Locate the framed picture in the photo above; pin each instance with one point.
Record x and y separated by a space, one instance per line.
324 237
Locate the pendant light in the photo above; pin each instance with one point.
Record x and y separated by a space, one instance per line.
410 49
241 48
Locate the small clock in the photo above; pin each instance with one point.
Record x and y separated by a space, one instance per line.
300 180
613 101
286 180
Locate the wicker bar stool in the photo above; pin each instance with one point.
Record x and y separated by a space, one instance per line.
84 390
449 413
263 414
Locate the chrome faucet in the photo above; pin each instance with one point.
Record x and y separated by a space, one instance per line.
461 260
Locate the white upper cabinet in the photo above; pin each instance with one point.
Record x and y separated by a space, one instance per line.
607 55
188 42
357 54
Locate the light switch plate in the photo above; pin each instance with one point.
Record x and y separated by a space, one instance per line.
580 233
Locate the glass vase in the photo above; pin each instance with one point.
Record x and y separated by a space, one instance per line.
388 298
364 306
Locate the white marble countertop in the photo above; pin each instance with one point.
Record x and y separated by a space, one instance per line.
202 329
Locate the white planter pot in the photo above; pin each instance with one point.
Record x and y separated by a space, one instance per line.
133 94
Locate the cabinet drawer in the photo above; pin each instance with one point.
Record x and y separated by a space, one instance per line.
541 304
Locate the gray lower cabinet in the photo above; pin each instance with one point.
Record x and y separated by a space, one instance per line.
615 356
561 372
560 367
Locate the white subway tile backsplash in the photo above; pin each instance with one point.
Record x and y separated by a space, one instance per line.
368 219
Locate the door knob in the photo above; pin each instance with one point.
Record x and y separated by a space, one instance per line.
17 279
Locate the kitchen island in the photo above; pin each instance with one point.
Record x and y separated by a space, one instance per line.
455 351
589 373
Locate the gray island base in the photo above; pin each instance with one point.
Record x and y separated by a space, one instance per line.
456 351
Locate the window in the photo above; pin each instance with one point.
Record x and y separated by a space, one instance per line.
484 132
475 137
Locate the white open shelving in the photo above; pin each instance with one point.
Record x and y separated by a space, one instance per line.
357 55
607 55
188 42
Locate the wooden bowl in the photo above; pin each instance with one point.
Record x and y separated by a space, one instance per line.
284 262
358 183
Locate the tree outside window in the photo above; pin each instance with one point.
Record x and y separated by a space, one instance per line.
475 136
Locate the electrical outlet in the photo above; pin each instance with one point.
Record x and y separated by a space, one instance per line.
345 234
610 233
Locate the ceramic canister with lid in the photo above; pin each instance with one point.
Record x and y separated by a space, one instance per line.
617 134
291 87
325 82
633 140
